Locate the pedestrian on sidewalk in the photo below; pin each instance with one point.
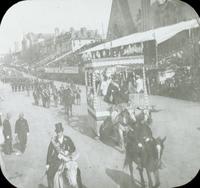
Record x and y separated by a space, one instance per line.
2 165
22 131
78 95
7 132
1 132
55 97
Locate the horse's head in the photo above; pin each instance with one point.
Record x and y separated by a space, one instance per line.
71 173
144 117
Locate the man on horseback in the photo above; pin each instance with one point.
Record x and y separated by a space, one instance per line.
144 150
144 135
60 147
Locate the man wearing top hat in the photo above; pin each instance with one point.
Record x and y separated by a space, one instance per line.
59 144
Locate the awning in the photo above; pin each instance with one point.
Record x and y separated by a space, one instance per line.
60 57
160 35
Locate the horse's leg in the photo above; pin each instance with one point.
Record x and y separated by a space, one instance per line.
79 180
121 136
65 106
157 178
142 177
149 179
131 171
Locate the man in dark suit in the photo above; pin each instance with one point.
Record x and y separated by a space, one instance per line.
59 145
68 101
22 131
7 132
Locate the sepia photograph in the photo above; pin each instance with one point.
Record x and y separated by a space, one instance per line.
100 94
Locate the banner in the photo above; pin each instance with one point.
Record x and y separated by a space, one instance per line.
67 70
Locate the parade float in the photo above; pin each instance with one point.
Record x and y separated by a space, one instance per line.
143 55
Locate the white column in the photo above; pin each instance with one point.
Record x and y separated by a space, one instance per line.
86 81
89 78
146 97
94 88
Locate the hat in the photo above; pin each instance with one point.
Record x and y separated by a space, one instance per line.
58 127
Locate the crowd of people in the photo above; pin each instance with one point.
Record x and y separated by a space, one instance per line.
62 154
116 87
45 92
22 84
181 85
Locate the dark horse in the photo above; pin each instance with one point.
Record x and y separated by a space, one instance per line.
146 152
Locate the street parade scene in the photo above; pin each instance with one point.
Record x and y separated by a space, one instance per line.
106 95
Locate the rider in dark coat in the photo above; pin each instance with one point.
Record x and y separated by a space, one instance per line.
53 160
138 137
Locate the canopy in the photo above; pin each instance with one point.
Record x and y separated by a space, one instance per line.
160 35
59 58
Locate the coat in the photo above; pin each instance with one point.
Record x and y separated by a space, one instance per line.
7 132
21 129
66 145
52 155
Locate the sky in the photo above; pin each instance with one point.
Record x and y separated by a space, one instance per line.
43 16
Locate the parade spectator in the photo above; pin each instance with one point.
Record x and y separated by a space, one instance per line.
68 101
7 132
28 88
78 96
2 165
139 89
1 130
124 93
22 131
104 86
113 93
90 95
98 82
35 96
55 97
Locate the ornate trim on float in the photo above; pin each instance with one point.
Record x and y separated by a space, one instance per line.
132 60
98 115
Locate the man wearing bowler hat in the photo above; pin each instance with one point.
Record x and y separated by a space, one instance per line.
59 144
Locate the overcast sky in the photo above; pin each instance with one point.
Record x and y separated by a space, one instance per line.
42 16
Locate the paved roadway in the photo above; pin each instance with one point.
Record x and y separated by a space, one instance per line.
101 164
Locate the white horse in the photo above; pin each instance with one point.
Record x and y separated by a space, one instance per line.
66 176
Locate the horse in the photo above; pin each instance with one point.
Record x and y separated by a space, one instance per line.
147 155
66 176
116 128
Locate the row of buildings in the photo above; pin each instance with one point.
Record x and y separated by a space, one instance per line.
36 48
126 18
